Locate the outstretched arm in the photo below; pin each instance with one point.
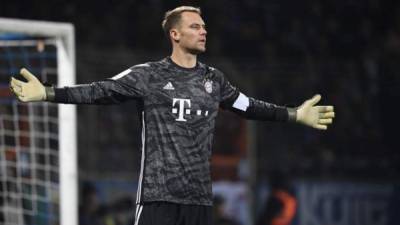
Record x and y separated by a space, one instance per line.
126 85
309 114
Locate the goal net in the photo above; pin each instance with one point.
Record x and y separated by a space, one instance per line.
38 168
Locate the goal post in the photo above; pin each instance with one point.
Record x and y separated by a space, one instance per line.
61 36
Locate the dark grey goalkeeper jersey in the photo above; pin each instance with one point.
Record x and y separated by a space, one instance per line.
178 109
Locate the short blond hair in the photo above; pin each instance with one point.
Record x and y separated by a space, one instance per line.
173 17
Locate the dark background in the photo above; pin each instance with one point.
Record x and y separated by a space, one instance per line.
279 51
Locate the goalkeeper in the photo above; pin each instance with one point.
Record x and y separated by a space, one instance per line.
178 98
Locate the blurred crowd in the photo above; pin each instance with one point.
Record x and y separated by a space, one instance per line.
282 51
278 51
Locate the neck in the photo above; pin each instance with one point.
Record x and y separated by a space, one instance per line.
183 58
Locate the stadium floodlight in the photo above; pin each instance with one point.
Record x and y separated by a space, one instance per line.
38 168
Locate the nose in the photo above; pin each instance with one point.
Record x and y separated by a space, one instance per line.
203 31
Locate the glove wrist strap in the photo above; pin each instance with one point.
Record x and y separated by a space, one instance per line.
292 114
50 94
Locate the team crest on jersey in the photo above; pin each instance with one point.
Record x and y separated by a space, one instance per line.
208 86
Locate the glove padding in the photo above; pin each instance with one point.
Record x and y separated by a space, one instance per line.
317 117
31 91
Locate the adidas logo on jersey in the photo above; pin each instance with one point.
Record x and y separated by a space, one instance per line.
169 86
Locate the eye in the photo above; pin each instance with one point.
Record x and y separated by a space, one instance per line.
195 26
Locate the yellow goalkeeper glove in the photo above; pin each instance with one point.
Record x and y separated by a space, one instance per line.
31 91
318 117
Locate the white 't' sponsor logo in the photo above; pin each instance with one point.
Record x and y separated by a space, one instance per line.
181 108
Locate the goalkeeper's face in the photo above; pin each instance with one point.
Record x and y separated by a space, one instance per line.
190 33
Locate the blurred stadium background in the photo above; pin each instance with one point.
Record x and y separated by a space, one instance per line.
280 51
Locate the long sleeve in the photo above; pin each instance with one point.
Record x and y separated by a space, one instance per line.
130 84
250 108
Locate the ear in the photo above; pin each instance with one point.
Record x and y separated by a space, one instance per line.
175 35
